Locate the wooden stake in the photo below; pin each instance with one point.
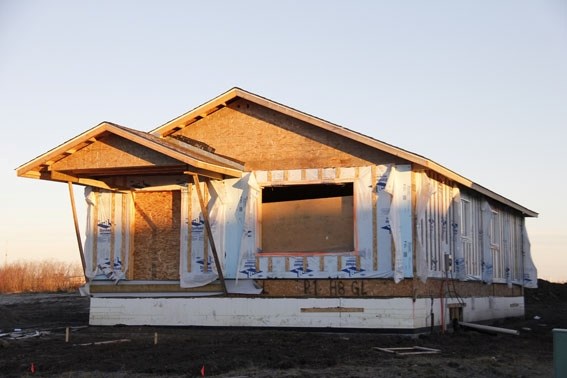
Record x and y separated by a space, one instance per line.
105 342
67 334
77 230
155 338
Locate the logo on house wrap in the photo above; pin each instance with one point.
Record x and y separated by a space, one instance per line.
198 224
387 226
486 268
382 180
444 227
455 228
201 262
431 224
434 264
460 265
105 227
110 270
298 268
527 279
250 268
350 267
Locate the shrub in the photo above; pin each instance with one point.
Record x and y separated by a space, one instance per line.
40 276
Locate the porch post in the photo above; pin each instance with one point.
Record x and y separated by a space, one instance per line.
77 231
209 231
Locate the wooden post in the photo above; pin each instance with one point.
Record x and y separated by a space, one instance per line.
67 334
209 231
77 231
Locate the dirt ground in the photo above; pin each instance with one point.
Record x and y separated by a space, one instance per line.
184 352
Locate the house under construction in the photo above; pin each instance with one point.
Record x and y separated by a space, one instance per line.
246 212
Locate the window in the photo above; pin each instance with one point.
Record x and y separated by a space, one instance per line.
466 218
495 229
471 251
495 241
308 218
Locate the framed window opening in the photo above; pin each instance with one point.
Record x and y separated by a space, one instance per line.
469 218
307 219
466 218
495 245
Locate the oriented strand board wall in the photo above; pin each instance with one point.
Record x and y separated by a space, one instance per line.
113 152
156 242
379 288
265 140
310 225
384 288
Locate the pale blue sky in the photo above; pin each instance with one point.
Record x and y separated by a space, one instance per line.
477 86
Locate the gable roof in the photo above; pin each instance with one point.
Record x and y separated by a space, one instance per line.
233 94
201 161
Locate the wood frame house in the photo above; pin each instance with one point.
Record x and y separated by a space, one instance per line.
245 212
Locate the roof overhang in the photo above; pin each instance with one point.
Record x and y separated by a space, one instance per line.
181 157
233 94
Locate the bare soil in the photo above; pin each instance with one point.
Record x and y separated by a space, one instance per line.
184 352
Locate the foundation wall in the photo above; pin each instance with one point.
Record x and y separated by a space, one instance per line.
396 314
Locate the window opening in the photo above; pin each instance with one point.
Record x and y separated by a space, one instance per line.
495 241
308 218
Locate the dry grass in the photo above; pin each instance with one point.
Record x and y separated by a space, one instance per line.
40 277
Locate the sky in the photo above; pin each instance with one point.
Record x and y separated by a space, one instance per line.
479 87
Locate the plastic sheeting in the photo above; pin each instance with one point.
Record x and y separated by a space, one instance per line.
484 236
383 235
459 266
232 213
399 187
425 189
107 213
383 227
530 271
247 215
362 190
195 268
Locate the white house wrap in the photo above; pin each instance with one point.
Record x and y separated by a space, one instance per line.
107 233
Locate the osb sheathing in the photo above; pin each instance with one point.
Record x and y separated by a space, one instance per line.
113 151
464 289
321 224
336 288
157 229
384 288
265 139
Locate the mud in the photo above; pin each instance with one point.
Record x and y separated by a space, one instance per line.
185 352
